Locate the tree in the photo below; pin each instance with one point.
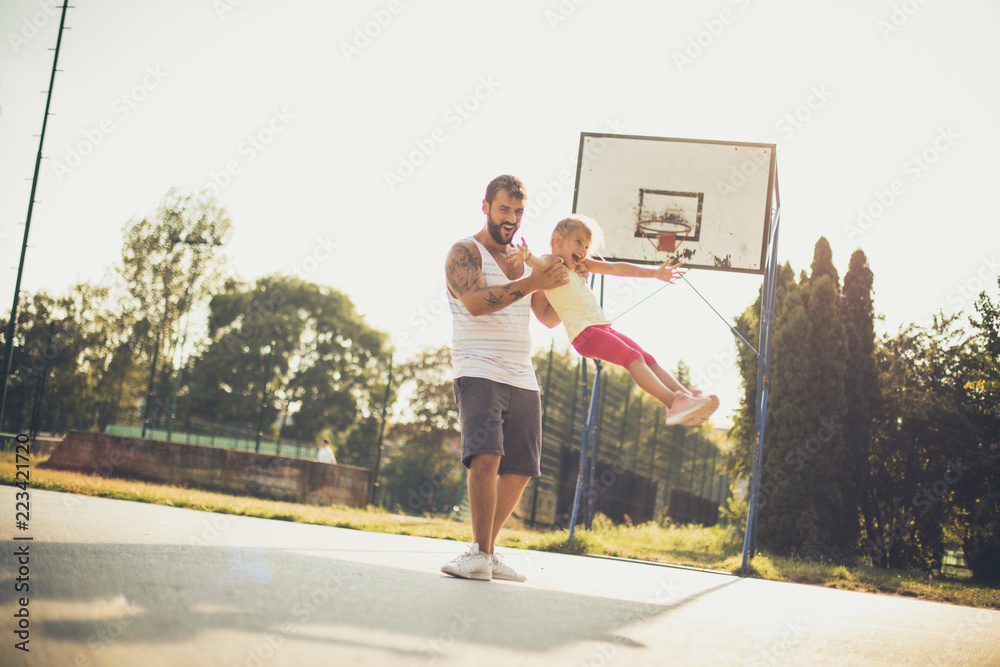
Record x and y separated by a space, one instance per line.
861 378
979 492
785 502
423 471
60 361
920 446
822 264
786 296
802 508
325 364
169 265
834 533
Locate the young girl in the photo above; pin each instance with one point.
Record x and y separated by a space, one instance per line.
589 329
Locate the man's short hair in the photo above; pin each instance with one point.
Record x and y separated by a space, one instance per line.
512 184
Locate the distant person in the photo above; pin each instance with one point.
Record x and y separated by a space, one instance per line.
590 330
325 453
495 385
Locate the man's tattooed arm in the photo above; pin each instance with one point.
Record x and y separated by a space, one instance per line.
464 270
495 296
464 273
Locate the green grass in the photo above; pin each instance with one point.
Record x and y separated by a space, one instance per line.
712 548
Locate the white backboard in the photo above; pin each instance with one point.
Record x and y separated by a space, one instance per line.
722 190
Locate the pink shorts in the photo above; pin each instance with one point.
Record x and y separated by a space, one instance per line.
600 341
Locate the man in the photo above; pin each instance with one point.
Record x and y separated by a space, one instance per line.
495 385
325 453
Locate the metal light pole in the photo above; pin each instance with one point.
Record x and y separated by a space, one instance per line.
8 348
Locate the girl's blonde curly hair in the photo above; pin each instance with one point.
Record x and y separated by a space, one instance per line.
571 223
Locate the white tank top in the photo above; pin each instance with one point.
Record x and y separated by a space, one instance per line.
576 305
496 346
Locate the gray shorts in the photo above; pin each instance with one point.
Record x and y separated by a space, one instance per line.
500 419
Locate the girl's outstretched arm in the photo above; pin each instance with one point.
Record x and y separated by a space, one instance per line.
665 272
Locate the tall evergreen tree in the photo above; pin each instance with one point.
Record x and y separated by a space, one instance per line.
835 533
785 508
803 509
822 264
860 380
786 296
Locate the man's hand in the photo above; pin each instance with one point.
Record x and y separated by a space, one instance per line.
554 276
669 274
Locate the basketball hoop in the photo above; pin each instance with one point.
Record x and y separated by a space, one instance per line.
665 235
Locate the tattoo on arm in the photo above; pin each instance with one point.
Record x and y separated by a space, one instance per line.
493 298
464 270
497 295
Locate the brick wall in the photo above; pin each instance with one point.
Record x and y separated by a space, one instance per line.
216 469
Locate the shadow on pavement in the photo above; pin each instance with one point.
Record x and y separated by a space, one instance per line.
172 593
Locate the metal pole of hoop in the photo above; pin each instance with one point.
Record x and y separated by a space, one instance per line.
583 449
588 445
763 386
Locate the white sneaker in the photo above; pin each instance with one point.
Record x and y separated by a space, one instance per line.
502 570
691 410
473 564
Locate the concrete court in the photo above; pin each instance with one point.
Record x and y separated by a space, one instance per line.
120 583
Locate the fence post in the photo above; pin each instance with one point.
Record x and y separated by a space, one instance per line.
545 413
381 433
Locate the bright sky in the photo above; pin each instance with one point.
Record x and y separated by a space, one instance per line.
352 142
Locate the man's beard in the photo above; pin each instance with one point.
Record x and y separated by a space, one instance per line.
496 233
